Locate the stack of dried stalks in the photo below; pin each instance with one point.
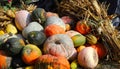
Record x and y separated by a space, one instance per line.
78 9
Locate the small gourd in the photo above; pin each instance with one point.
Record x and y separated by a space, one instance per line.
33 26
91 39
10 28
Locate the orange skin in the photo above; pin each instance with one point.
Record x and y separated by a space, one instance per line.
30 54
3 62
82 27
101 50
53 29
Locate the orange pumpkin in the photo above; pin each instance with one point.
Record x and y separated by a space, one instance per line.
52 62
30 53
5 61
101 50
54 29
82 27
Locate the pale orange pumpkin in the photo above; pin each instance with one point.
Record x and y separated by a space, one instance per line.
53 29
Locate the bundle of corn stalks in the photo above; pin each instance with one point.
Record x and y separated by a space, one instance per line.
78 9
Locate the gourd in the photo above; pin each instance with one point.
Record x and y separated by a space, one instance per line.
91 39
39 15
33 26
55 20
52 62
22 18
72 33
60 45
36 37
53 29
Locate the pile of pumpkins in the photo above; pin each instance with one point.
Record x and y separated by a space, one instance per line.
43 40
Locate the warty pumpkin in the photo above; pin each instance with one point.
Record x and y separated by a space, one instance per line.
52 62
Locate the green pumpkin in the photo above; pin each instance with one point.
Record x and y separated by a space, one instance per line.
13 46
38 15
36 37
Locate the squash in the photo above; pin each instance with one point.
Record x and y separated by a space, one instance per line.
5 61
36 37
55 20
72 33
30 53
22 18
53 29
91 39
49 14
13 46
60 45
38 15
33 26
10 28
51 62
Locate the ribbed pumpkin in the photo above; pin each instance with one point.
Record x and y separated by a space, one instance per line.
5 61
22 18
33 26
60 45
52 62
53 29
13 46
36 37
39 15
55 20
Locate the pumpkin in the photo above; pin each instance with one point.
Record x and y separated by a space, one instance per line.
88 58
33 26
101 49
72 33
10 28
60 45
36 37
13 46
52 62
67 19
38 15
82 27
49 14
22 18
55 20
30 53
5 61
53 29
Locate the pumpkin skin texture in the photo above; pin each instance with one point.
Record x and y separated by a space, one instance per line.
53 29
13 46
5 61
60 45
72 33
52 62
82 27
30 53
55 20
22 18
36 37
33 26
49 14
38 15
